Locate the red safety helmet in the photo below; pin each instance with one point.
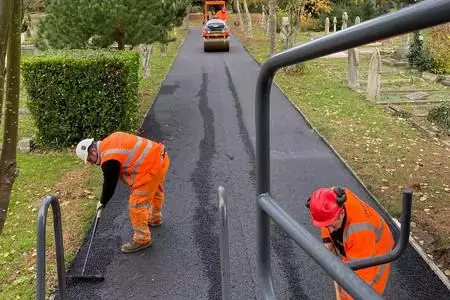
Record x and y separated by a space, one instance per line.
325 205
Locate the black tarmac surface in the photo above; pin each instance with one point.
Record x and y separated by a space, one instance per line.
205 116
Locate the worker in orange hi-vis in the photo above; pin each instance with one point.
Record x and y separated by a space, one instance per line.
222 14
353 230
141 164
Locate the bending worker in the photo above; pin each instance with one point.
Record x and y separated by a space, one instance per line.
222 14
141 164
353 230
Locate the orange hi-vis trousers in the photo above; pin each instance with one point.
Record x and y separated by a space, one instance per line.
146 203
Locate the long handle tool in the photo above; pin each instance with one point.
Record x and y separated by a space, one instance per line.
83 277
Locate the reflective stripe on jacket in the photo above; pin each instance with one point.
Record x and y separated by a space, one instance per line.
365 235
138 156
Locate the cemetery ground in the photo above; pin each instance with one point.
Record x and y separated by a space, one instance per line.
78 187
387 151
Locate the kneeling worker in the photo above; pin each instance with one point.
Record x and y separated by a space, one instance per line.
353 230
141 164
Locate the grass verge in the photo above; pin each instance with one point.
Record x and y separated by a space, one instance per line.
384 150
78 187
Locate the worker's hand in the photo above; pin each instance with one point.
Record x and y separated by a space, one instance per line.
100 207
330 247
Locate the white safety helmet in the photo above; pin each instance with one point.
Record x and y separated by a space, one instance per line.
82 149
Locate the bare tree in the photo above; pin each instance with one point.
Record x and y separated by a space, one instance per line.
249 20
185 25
238 6
272 26
8 164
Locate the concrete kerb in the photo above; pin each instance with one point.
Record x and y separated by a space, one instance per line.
413 242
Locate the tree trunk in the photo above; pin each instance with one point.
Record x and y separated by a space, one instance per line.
272 26
185 25
5 14
119 37
146 52
249 20
8 165
238 5
163 49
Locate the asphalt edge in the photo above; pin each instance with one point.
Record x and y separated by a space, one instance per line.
440 274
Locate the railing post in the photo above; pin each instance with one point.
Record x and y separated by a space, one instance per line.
224 250
41 232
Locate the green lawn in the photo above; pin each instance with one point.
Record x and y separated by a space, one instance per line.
78 186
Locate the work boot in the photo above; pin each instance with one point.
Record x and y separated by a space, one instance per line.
155 219
134 247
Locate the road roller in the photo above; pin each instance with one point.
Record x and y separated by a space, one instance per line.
215 32
216 36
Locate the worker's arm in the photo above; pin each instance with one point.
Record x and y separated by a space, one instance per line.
111 172
326 239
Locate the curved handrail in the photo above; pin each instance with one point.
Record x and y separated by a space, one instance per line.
402 241
415 17
41 226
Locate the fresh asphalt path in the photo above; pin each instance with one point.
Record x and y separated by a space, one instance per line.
204 114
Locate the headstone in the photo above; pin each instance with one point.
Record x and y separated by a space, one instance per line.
374 80
24 145
23 112
352 69
357 21
417 96
344 20
327 26
285 31
403 49
334 24
430 76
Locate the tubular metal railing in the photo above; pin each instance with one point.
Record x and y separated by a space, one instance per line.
41 230
415 17
224 250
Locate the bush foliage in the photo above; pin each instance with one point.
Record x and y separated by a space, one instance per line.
421 58
440 116
74 94
438 43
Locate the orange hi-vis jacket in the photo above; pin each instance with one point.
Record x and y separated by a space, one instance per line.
138 157
365 234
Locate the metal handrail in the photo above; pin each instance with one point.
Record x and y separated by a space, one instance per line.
41 226
224 250
415 17
402 241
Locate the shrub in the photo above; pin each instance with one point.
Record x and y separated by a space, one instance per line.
440 116
438 43
81 93
420 57
313 25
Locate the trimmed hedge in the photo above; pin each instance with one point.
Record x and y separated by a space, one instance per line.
77 94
